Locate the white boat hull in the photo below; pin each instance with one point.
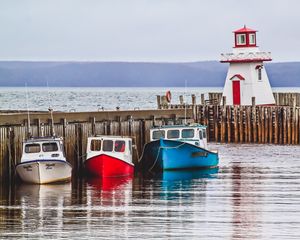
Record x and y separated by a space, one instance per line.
44 171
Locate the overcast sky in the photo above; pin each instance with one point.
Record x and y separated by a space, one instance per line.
144 30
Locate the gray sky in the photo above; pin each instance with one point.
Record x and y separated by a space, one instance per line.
144 30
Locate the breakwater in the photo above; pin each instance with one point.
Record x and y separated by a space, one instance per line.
239 124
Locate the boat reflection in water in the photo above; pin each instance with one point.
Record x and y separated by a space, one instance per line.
109 191
184 183
42 193
189 174
43 207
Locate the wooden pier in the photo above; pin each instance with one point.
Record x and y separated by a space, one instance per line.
278 124
75 127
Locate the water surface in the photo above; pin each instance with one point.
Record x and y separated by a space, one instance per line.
254 194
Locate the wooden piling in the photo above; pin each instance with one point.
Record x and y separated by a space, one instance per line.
158 101
181 100
254 124
216 123
202 99
228 112
275 112
270 117
93 124
223 124
241 124
284 129
224 100
235 125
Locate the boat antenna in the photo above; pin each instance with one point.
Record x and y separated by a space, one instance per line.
185 83
28 115
51 112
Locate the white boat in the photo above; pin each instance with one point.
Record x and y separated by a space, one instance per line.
43 161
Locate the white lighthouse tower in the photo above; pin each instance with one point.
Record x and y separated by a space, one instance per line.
246 77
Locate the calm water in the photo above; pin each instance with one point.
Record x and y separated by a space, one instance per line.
254 194
93 99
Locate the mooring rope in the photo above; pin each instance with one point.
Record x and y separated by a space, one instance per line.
162 147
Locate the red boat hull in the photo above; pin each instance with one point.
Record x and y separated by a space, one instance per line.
108 166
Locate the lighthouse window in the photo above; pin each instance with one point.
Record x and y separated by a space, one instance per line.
252 38
259 74
241 39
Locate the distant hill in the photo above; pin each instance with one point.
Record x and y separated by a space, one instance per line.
130 74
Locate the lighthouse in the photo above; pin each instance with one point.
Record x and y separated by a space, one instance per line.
246 77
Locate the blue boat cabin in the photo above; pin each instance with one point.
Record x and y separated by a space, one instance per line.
192 134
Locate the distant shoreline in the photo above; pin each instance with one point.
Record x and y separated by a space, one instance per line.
133 74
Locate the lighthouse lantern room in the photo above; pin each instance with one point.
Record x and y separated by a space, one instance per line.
246 76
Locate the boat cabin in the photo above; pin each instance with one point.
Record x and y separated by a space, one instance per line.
115 146
193 134
43 149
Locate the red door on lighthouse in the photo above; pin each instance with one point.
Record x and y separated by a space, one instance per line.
236 92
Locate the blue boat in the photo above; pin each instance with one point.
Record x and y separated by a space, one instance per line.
177 147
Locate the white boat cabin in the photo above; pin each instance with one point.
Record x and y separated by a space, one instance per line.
43 149
114 146
193 134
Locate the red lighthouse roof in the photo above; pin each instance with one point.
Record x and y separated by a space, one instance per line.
245 30
244 37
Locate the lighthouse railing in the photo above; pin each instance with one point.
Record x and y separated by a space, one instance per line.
247 56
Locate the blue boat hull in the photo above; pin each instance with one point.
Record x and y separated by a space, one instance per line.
167 155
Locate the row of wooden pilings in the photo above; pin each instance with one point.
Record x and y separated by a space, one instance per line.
75 134
250 124
276 124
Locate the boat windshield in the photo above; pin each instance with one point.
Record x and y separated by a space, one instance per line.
119 146
50 147
130 146
171 134
187 133
158 134
200 134
204 133
32 148
96 145
108 145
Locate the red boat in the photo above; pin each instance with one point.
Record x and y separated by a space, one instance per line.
109 156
